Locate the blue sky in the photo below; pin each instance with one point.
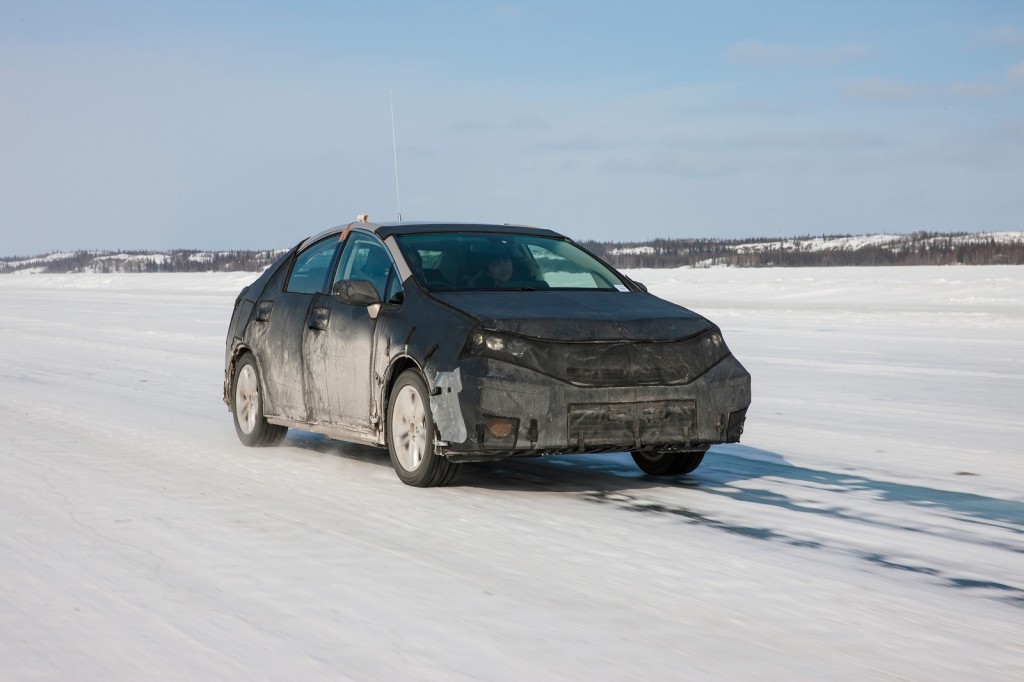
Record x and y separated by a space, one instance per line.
251 124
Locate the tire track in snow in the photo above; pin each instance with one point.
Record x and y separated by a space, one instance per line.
948 531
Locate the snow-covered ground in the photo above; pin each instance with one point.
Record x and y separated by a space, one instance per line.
870 526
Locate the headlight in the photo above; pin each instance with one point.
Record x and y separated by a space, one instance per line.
713 348
502 346
713 343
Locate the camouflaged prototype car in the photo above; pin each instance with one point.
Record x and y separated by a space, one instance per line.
455 343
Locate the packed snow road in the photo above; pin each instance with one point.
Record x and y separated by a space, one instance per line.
870 526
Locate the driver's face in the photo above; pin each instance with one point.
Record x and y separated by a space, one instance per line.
501 269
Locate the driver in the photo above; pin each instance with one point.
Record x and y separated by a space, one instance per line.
497 271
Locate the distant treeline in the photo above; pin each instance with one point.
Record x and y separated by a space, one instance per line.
919 248
179 260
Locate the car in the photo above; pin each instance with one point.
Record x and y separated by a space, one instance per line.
451 343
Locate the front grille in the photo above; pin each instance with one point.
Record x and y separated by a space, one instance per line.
627 372
631 425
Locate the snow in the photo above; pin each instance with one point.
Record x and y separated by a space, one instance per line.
870 525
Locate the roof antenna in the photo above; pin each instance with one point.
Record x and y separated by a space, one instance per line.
394 148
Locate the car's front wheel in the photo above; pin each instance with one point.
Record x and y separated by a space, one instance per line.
252 427
411 435
668 463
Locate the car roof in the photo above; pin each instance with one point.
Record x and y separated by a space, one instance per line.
384 230
388 229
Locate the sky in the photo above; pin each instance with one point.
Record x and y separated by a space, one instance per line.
224 125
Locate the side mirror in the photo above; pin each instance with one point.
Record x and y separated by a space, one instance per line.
359 292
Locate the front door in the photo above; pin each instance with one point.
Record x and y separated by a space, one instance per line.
340 342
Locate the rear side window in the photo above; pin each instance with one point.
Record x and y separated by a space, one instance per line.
309 274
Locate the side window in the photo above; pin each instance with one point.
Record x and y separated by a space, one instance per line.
365 258
309 274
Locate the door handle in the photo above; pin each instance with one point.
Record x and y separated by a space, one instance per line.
320 319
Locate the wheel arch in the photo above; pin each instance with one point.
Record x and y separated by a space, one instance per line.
229 376
398 365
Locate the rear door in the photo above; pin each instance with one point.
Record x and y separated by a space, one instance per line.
284 318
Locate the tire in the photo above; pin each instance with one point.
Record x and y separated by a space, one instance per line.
247 395
411 435
667 463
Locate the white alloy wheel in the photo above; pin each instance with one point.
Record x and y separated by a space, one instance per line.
410 435
252 427
409 424
247 399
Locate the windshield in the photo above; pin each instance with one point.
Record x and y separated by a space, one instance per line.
469 261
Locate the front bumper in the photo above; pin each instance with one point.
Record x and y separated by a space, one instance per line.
511 411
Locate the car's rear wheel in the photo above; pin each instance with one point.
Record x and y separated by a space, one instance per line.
668 463
252 427
411 435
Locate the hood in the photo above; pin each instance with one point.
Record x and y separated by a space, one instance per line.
579 315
